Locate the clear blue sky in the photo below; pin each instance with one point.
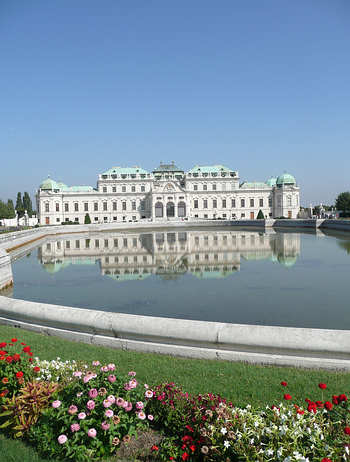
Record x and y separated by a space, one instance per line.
262 86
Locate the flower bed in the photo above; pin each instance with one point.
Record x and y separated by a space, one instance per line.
71 410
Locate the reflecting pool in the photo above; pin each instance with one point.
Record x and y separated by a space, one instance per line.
228 275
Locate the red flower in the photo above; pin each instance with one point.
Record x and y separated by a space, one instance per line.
335 399
319 404
287 396
154 448
325 459
193 448
36 369
5 380
190 429
342 398
19 374
9 359
171 458
323 386
3 344
26 349
185 456
22 343
328 405
284 384
14 340
347 430
300 411
16 357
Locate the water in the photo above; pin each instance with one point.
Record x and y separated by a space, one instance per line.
227 275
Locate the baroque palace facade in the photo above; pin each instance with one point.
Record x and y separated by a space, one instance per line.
168 193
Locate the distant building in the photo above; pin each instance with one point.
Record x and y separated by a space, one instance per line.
168 193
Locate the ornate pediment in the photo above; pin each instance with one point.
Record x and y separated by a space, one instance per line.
169 187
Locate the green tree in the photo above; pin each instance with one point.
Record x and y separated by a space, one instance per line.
11 209
87 219
27 204
260 215
19 205
3 210
342 202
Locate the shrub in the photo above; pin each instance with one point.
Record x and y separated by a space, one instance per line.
260 215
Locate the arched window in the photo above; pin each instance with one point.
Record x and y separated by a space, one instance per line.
181 209
159 209
170 209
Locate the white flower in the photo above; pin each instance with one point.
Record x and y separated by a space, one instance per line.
226 444
223 430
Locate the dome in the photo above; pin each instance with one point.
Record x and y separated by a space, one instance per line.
286 179
271 182
49 183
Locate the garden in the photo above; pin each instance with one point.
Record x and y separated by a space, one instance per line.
102 404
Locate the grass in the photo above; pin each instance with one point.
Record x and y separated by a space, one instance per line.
239 382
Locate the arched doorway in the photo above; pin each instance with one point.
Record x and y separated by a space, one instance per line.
170 209
158 210
181 209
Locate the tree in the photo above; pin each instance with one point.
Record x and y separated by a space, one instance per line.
260 215
27 204
87 219
342 202
11 209
19 205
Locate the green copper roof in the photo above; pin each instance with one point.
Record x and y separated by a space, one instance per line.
50 184
254 185
163 168
125 171
210 169
271 182
78 188
286 178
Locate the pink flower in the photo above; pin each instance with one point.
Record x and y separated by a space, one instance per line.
139 405
104 369
128 407
141 415
93 393
87 378
75 427
111 398
132 373
105 425
62 439
107 403
72 409
112 378
81 415
146 386
77 374
150 417
79 394
133 383
148 393
120 402
111 367
57 404
109 413
90 404
96 363
92 433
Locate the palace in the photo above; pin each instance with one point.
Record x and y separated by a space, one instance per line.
168 193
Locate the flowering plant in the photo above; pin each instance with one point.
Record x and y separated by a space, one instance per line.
16 367
92 415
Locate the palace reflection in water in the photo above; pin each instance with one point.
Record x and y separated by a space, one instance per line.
169 254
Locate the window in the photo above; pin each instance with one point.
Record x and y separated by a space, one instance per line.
66 207
48 247
106 243
205 187
47 207
96 218
195 202
57 207
76 219
133 205
67 244
242 215
242 202
214 187
87 243
95 206
261 202
133 189
223 203
143 188
270 201
205 204
77 244
196 240
289 201
195 187
114 206
76 207
142 205
134 242
252 202
125 242
215 203
104 189
123 188
115 242
114 189
86 206
97 243
124 205
233 203
105 206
